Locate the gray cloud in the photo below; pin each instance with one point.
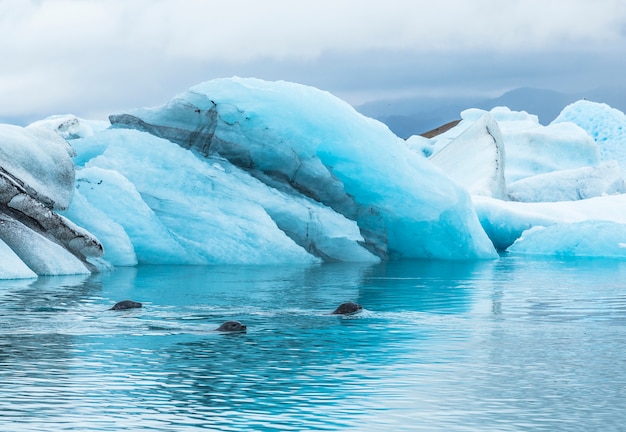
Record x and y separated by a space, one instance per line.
93 57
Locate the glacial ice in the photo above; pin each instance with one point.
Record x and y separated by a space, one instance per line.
39 161
11 266
530 148
70 127
40 254
606 125
36 180
177 208
244 171
554 175
505 221
309 144
569 185
588 238
482 170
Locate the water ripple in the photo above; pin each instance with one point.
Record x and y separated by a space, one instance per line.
506 346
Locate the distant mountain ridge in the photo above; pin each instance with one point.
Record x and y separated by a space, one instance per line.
414 116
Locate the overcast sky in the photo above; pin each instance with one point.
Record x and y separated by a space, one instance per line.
93 58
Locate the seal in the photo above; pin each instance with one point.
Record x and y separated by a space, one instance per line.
347 308
232 326
126 304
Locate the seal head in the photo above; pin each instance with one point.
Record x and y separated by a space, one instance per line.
347 308
232 326
126 304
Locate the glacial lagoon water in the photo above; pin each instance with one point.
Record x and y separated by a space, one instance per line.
510 345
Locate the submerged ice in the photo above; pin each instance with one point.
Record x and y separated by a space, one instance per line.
245 171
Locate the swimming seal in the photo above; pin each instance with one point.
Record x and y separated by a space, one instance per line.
231 326
126 304
347 308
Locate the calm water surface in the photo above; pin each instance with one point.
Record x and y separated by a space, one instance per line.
515 344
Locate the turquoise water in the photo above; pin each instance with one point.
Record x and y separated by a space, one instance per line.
511 345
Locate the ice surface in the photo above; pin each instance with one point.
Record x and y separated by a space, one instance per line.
587 239
546 149
41 255
420 145
11 266
476 158
308 143
37 178
117 245
554 172
505 221
569 185
606 125
178 208
38 160
530 148
70 127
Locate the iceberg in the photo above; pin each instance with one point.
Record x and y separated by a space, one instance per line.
245 171
606 125
582 239
38 161
177 208
531 148
42 255
506 221
69 127
11 266
37 180
564 177
481 171
310 145
570 185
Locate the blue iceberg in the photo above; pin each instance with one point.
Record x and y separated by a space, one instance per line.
244 171
285 172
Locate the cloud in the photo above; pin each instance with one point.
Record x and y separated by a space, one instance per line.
239 30
94 57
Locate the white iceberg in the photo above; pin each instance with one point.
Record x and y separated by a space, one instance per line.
554 175
569 185
70 127
42 255
530 148
505 221
606 125
582 239
37 178
476 158
11 266
38 161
